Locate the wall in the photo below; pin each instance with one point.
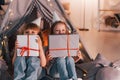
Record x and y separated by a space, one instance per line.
75 12
84 13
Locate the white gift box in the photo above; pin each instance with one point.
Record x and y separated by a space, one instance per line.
27 45
63 45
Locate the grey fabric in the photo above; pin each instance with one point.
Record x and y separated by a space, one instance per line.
3 65
91 68
102 60
116 64
4 75
18 9
108 73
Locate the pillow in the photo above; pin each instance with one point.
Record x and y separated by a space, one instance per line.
100 59
91 68
108 73
116 64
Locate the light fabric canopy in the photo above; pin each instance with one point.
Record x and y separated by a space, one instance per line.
20 9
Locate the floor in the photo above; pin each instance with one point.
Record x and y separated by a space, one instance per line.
104 42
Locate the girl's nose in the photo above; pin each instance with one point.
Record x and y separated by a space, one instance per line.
60 32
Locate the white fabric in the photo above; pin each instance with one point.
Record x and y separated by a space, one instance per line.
55 17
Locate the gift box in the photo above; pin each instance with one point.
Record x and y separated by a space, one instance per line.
27 45
63 45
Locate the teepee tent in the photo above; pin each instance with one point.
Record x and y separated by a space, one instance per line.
23 11
20 10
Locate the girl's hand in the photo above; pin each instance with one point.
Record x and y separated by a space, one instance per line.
38 39
48 56
78 57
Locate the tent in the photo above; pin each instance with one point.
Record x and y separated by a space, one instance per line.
20 11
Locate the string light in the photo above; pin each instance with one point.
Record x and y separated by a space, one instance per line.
11 0
7 27
51 4
11 13
10 10
48 0
5 37
2 42
0 52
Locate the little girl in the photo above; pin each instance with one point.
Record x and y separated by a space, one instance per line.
63 66
29 68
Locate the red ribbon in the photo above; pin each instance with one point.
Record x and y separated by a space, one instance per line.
68 44
23 49
64 49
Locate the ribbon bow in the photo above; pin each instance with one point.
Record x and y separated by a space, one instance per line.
23 49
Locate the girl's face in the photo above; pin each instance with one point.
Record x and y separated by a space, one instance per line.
30 32
60 29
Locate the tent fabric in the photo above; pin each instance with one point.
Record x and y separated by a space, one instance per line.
16 8
19 9
17 14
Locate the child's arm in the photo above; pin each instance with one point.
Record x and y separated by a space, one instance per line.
41 55
48 58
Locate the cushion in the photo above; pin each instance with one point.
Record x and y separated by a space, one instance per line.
108 73
102 60
91 68
116 64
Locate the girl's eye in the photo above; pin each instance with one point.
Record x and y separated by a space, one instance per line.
56 30
27 32
33 32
